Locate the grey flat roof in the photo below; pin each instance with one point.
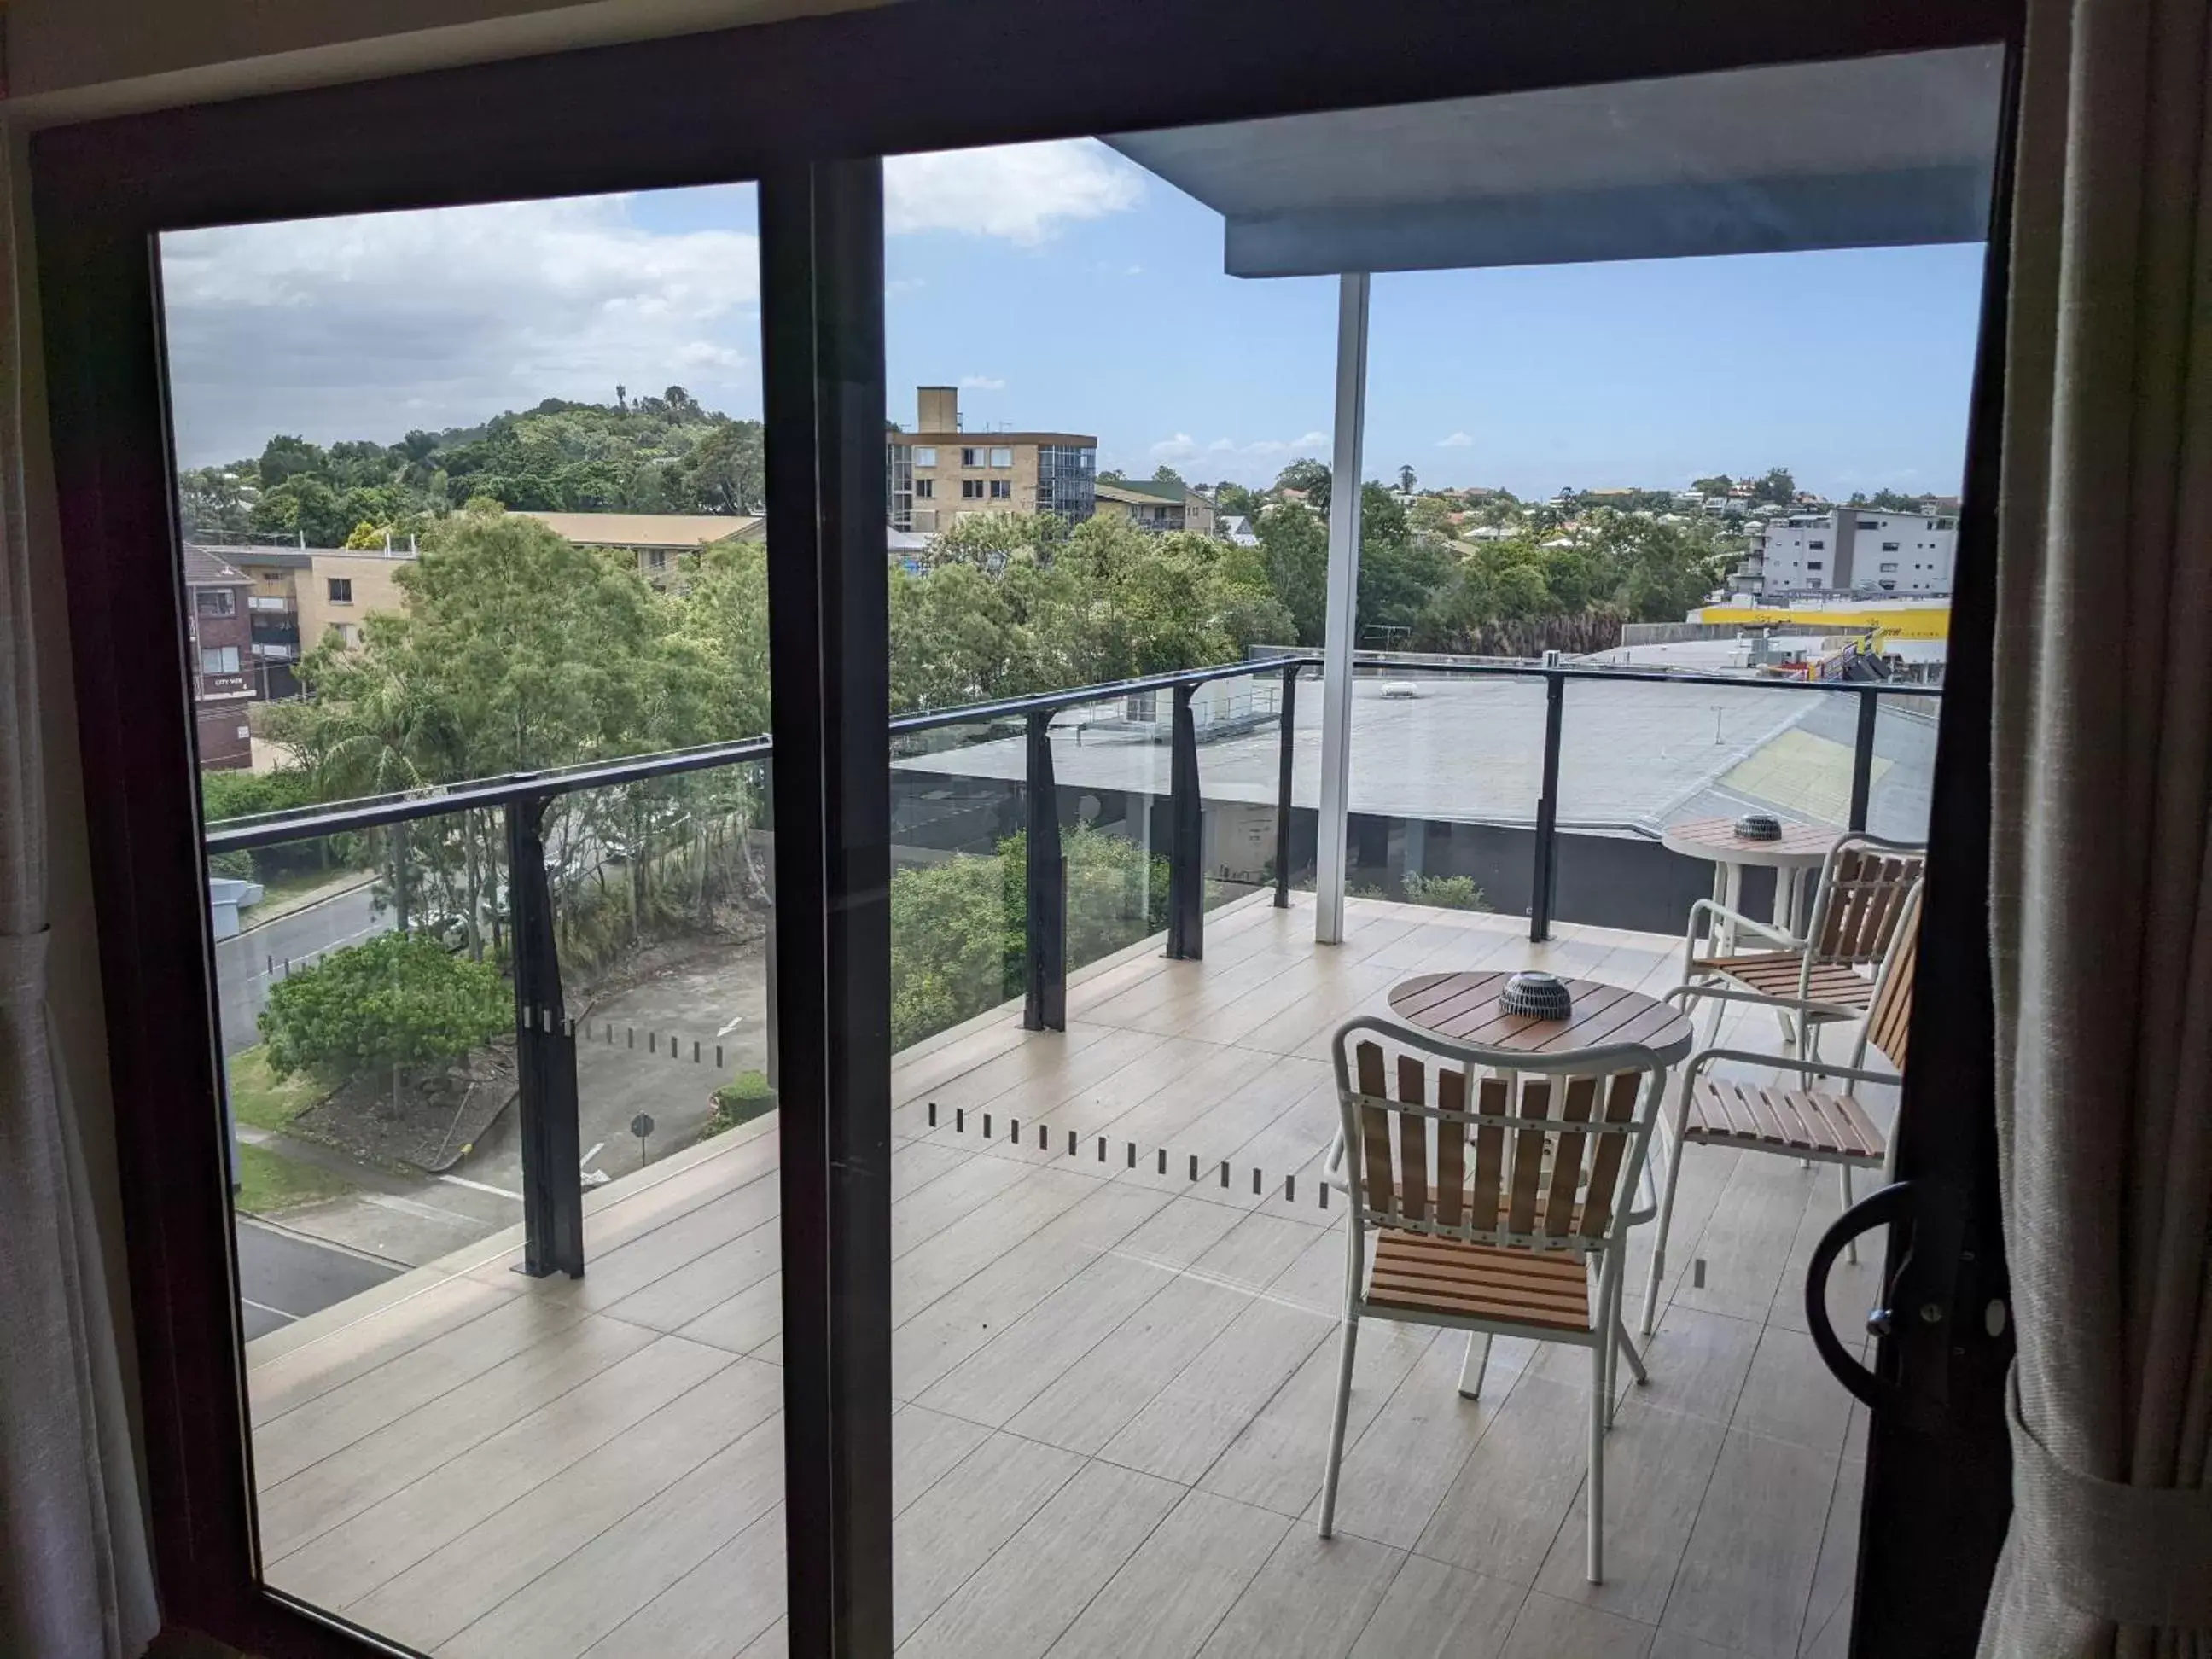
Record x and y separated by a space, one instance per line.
1633 754
1856 152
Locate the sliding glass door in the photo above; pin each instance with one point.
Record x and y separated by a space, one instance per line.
714 797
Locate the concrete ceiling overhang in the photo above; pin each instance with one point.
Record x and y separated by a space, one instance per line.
1857 153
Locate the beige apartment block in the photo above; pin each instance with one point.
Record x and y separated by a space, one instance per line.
341 588
938 474
1160 506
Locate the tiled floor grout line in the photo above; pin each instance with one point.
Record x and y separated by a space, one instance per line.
684 1475
293 1546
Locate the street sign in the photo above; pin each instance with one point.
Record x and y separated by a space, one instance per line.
642 1125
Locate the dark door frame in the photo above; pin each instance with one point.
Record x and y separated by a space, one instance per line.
784 104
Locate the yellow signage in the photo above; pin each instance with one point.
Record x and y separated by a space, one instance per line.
1917 621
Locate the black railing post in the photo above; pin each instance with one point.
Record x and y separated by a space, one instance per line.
1186 879
1046 909
1863 758
1288 721
545 1058
1547 813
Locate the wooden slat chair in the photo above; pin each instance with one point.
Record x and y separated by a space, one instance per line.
1816 1125
1827 975
1507 1218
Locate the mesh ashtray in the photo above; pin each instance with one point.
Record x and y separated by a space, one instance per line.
1542 996
1759 826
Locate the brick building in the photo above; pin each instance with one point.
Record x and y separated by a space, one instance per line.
216 619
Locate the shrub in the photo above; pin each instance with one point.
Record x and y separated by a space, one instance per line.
239 867
1445 892
398 1001
958 928
743 1098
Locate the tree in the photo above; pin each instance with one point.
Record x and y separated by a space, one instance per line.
958 928
727 469
1113 475
395 1003
1165 474
1777 487
988 540
1398 569
1294 548
1231 497
288 457
1889 501
1405 480
1309 476
1719 484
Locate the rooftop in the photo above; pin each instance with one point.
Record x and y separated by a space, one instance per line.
1112 1388
673 530
205 570
973 439
1633 754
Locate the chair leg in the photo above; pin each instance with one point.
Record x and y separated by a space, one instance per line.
1675 1148
1628 1350
1475 1366
1844 1185
1351 1339
1604 1318
1594 1568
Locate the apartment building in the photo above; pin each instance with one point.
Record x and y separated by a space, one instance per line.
1852 549
216 620
302 596
1154 505
938 474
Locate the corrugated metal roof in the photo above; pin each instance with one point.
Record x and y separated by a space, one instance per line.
647 530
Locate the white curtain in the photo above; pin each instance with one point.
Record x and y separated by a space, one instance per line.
2101 904
74 1574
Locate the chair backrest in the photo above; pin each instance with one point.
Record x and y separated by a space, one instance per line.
1863 883
1889 1021
1547 1158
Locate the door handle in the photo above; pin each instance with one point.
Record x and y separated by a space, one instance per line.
1889 1205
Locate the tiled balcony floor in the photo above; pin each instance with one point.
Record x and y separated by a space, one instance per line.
1114 1387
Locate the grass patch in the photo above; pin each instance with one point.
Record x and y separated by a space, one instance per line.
268 1181
262 1100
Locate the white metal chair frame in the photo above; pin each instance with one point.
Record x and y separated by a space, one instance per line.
1903 941
1528 1168
1856 935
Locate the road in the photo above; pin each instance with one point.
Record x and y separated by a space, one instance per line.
283 1277
247 964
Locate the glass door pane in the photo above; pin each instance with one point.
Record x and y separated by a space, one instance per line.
474 574
1609 377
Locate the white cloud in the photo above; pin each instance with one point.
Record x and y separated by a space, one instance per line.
1256 460
1022 192
361 327
1457 441
982 382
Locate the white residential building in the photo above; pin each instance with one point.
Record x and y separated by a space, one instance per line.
1854 549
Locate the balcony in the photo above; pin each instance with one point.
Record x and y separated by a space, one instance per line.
1114 1385
1115 1286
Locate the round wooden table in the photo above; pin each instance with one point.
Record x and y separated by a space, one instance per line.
1464 1007
1794 858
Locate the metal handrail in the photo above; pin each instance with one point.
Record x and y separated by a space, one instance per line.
545 1040
269 829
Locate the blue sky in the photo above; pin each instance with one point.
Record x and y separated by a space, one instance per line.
1062 287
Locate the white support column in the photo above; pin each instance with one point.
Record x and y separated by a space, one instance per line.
1343 604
